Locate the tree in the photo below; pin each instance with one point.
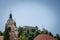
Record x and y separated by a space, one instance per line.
37 32
44 31
20 30
6 33
50 34
33 30
23 37
57 37
30 38
1 33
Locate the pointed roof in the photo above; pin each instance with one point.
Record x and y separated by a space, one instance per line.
10 16
11 19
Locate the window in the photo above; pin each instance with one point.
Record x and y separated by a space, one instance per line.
9 29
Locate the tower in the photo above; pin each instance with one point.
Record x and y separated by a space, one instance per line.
13 31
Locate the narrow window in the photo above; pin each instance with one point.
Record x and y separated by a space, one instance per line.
9 29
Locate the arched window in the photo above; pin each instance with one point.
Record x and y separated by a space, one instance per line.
9 29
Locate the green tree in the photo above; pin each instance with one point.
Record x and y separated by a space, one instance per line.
30 38
37 32
1 33
31 35
44 31
6 33
57 37
32 30
50 34
23 37
20 30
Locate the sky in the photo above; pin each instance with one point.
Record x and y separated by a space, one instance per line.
41 13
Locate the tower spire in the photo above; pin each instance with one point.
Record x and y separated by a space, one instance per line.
10 16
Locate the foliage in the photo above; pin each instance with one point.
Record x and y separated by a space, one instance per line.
44 31
28 34
1 33
50 34
57 37
32 33
23 37
6 33
37 32
20 30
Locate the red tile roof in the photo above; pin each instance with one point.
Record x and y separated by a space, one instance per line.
44 37
1 37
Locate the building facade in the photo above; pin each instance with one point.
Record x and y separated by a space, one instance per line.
13 31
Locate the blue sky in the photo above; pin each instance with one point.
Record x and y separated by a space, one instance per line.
32 13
